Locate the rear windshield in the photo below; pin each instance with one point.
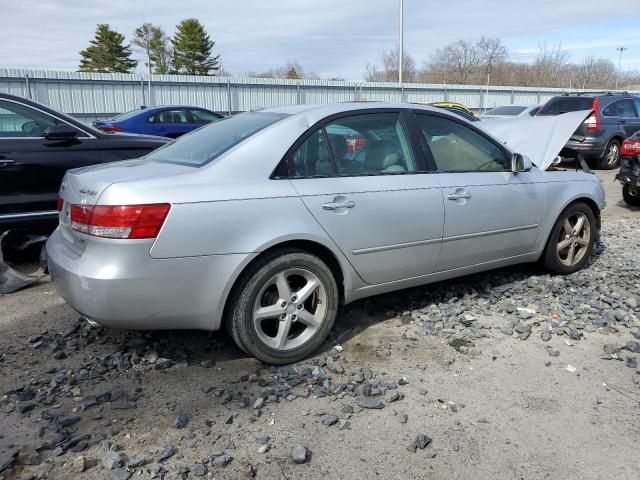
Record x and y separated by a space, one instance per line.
127 115
558 105
205 144
507 110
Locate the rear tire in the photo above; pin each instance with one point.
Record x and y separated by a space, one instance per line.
571 241
631 196
611 157
283 307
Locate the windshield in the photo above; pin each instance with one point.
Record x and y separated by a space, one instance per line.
205 144
558 105
507 110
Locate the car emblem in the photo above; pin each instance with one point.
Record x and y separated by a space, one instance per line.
91 193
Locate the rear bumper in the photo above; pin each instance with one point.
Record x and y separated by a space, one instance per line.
589 147
121 286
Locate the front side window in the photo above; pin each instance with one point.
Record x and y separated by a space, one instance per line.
457 148
202 116
207 143
18 120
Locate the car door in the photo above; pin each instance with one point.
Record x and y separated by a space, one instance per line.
32 167
490 213
623 113
381 209
172 123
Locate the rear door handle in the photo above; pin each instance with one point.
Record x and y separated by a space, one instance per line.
337 205
458 196
5 162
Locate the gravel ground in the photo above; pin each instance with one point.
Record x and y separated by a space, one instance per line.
507 374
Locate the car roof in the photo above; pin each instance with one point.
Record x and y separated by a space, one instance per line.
318 112
169 107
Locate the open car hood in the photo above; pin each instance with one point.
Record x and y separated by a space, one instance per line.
539 138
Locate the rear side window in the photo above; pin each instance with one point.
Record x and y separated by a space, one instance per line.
620 108
364 144
205 144
558 105
312 158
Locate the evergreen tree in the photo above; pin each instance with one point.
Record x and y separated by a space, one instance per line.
192 49
107 53
155 43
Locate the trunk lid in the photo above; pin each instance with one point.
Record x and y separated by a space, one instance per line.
84 186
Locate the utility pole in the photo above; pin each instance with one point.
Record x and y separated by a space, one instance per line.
401 53
620 50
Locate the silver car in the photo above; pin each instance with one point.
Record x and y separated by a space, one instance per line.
270 220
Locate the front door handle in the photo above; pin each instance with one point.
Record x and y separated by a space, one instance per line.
5 162
458 196
337 205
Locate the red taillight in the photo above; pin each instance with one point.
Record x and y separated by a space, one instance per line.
630 148
109 128
593 122
119 221
355 143
60 203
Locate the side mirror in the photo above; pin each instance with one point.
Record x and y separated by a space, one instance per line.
60 132
520 163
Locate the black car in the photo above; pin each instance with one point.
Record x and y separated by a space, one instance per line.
629 174
614 118
37 146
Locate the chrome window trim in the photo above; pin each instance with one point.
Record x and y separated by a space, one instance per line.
45 113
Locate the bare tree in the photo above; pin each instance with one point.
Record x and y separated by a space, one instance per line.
491 51
550 64
390 66
458 61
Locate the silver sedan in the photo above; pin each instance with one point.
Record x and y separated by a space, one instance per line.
269 220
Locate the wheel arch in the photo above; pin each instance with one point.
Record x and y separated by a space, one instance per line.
339 266
590 202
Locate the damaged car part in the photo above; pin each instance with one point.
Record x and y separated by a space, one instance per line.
10 279
267 220
629 174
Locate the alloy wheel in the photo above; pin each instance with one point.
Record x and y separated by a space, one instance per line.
573 239
612 154
290 309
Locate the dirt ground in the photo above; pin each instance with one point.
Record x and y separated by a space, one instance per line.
505 409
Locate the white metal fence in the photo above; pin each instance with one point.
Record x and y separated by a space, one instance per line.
90 96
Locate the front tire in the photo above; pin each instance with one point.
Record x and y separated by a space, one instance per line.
571 241
283 307
631 196
611 157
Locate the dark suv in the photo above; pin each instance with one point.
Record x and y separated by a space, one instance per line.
614 118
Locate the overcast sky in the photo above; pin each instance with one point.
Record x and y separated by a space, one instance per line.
328 37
